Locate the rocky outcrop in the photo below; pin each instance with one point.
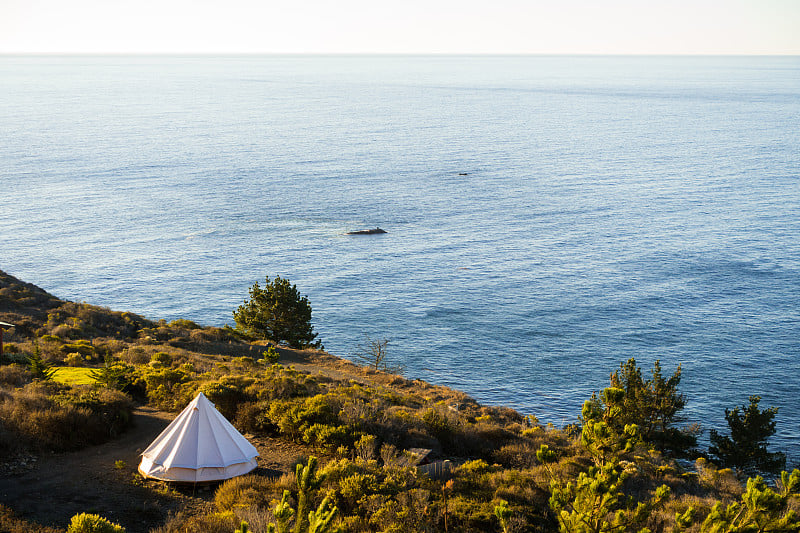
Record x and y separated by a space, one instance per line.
375 231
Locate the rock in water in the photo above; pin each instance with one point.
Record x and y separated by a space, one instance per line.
375 231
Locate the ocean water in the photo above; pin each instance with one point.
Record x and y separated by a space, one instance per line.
547 217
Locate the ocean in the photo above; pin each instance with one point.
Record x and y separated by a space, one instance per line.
547 217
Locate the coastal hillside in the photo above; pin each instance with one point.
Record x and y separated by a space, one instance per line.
24 304
84 389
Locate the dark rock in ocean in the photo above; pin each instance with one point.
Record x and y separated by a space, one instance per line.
375 231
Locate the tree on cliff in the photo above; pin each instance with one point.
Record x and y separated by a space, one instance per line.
652 404
277 312
746 448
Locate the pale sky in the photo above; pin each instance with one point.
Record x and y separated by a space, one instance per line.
408 26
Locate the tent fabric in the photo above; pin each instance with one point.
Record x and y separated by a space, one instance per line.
199 445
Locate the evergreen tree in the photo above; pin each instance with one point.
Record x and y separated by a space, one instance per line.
603 433
113 375
652 404
40 369
277 312
595 501
761 509
746 448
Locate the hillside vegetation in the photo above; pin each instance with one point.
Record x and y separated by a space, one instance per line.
359 433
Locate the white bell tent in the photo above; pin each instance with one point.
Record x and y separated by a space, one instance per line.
199 445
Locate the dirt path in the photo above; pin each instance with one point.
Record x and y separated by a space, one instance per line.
63 485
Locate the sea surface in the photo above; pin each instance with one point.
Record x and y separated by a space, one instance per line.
548 217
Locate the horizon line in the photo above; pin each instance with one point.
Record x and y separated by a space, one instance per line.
399 54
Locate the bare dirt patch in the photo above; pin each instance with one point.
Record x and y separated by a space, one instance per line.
50 489
59 486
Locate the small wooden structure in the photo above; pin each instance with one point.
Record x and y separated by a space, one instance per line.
3 325
420 458
441 470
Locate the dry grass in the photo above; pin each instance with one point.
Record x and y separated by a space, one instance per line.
721 483
244 491
46 416
14 376
187 523
258 518
10 523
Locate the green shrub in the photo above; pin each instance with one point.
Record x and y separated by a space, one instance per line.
15 355
113 375
81 347
92 523
471 515
328 436
366 447
320 408
285 416
74 359
166 388
271 356
226 394
475 468
353 487
183 324
438 424
11 348
110 412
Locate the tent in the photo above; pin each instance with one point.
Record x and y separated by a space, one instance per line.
199 445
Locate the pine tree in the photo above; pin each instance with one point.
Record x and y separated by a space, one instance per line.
652 404
112 375
746 448
595 502
40 369
277 312
761 509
